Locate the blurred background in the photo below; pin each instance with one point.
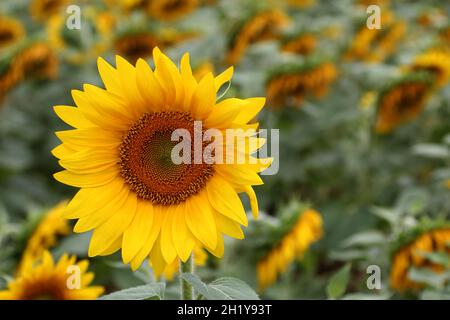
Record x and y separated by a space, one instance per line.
364 172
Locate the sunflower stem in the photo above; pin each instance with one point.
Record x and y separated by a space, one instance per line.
186 288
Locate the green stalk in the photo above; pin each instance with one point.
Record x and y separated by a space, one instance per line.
186 289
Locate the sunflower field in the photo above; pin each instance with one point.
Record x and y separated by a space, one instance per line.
350 201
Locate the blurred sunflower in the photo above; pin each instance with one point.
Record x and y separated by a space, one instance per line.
132 194
202 70
413 254
375 45
44 237
38 60
11 31
301 3
436 62
41 10
9 77
306 230
200 257
403 101
295 81
171 9
136 45
265 25
303 44
49 281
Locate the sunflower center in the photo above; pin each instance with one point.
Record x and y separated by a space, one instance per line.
6 36
43 291
146 162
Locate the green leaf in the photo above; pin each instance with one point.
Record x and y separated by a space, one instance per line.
338 282
370 237
234 288
428 277
152 290
431 150
388 215
222 288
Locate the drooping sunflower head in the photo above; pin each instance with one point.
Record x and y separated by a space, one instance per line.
47 280
37 61
135 46
264 25
411 252
171 9
293 236
403 100
303 43
289 84
44 9
436 62
135 193
9 77
51 226
11 31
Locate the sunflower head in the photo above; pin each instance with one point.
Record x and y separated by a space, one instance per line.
44 9
136 45
171 9
260 26
37 61
290 83
436 62
49 280
51 226
303 43
411 249
403 100
287 241
11 31
133 194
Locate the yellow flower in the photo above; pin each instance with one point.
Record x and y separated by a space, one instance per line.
44 236
37 61
303 44
48 280
200 257
436 62
263 26
11 31
306 230
9 78
295 83
132 194
135 46
44 9
411 255
401 103
171 9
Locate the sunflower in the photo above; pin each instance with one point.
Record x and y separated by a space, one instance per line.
51 226
200 260
171 9
306 230
37 61
296 81
11 31
264 25
412 255
375 45
41 10
132 194
9 78
135 46
436 62
301 3
403 101
48 280
303 44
